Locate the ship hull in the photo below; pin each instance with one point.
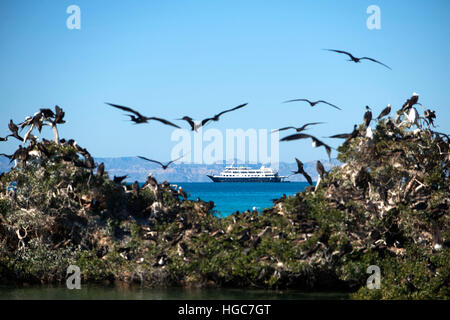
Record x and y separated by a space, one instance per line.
238 179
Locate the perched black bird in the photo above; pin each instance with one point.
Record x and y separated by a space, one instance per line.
367 117
356 60
89 161
138 118
100 169
59 115
299 129
20 154
119 179
15 130
320 169
302 171
431 266
43 150
151 181
182 193
429 117
410 102
385 112
163 166
216 117
313 103
47 113
283 197
135 188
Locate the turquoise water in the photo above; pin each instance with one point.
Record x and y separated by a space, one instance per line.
230 197
108 292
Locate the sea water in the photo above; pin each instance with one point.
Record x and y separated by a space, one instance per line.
230 197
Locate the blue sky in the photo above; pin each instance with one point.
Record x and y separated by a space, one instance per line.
176 58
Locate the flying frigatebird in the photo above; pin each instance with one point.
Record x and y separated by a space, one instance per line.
216 117
163 166
313 103
138 118
347 136
195 127
299 129
300 170
357 60
315 142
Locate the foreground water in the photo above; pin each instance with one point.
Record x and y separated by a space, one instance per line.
92 292
230 197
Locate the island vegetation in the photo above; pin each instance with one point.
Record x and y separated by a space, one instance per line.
386 205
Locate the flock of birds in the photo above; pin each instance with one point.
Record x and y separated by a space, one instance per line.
47 116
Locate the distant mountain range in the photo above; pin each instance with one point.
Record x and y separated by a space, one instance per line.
138 169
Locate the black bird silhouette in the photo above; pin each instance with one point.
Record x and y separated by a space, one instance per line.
296 136
313 103
300 170
100 169
299 129
410 102
15 130
135 188
47 113
356 60
216 117
194 127
320 169
89 161
385 112
150 181
9 156
36 121
315 142
429 117
163 166
20 154
346 136
367 117
119 179
59 115
138 118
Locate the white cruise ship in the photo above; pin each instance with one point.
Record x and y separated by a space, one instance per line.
244 174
